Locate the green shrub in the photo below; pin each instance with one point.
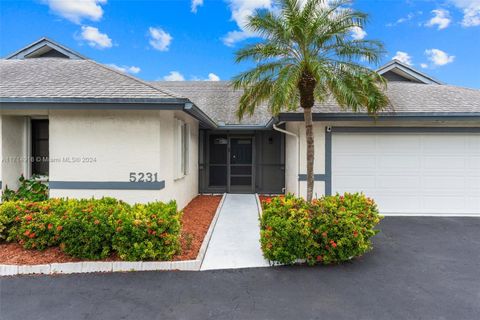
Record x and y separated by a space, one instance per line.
93 229
149 232
8 212
29 190
86 227
327 230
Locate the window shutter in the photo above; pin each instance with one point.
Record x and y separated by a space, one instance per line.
186 149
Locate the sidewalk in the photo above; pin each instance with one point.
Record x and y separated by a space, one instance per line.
235 241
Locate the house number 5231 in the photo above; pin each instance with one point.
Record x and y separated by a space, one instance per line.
143 177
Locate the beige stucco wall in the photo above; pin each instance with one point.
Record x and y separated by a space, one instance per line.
13 149
120 142
291 167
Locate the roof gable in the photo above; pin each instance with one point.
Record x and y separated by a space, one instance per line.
398 71
45 48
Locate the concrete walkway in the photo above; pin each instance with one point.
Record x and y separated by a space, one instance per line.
235 241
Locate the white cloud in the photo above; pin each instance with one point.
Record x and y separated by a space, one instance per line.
407 18
358 33
174 76
471 11
438 57
241 10
403 57
441 18
196 4
76 10
159 39
95 38
424 65
125 69
213 77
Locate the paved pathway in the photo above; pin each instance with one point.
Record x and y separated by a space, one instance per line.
235 241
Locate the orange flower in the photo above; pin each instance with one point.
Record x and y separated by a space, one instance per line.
27 232
28 217
59 228
32 235
319 258
50 226
119 229
96 222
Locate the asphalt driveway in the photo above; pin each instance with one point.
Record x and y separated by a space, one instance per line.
421 268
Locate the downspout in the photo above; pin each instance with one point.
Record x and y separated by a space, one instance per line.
276 128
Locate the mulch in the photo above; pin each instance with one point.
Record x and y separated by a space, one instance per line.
196 219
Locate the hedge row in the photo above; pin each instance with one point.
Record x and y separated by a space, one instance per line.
94 228
328 230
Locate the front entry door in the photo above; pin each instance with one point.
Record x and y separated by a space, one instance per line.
241 170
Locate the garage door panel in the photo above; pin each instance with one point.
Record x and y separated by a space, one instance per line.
397 204
398 182
402 162
443 162
410 173
355 182
473 144
447 145
353 162
359 144
399 144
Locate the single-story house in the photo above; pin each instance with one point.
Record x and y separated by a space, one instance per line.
95 131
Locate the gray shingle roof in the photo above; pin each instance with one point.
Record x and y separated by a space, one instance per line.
220 101
216 98
67 78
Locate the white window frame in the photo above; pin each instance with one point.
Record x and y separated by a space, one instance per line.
181 148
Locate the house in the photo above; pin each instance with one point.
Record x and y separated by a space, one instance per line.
95 131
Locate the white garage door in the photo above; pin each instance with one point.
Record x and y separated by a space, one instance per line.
410 173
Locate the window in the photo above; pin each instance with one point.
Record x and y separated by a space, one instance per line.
40 152
182 139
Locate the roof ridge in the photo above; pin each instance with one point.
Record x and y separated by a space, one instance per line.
132 78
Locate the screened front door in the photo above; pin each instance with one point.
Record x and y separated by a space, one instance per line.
241 164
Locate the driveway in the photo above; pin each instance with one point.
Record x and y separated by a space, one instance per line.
421 268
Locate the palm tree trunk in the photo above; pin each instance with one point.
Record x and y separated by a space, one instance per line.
310 151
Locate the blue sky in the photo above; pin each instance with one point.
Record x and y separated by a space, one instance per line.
196 39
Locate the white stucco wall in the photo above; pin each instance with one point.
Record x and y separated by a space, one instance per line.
291 162
291 167
120 142
13 149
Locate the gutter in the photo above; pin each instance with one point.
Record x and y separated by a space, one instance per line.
276 128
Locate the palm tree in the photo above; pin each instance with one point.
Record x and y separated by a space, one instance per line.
307 55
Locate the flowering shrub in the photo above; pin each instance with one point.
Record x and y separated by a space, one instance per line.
150 232
93 229
34 224
327 230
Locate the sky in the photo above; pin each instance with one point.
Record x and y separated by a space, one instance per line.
197 39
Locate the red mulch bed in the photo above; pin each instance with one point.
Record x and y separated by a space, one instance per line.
197 216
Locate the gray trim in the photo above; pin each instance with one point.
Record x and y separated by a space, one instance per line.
406 129
13 101
29 49
328 161
422 77
242 127
0 185
402 116
316 177
327 176
105 185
